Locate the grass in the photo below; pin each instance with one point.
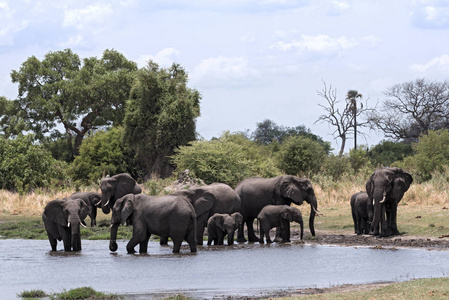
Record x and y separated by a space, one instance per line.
83 293
33 294
435 288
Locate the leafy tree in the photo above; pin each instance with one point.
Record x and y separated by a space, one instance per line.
25 166
228 159
300 155
160 117
413 108
387 152
100 154
336 166
346 120
359 159
63 92
268 132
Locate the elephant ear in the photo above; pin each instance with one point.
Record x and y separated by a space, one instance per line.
84 209
202 200
291 189
220 222
122 210
95 198
125 185
286 214
54 212
401 184
370 187
238 219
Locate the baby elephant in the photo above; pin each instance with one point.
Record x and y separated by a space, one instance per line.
362 212
221 224
278 216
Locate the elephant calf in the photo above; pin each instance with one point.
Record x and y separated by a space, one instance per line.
278 216
362 212
221 224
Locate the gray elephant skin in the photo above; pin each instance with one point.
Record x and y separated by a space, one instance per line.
209 200
220 225
115 187
62 219
362 212
385 188
256 193
93 200
171 215
279 216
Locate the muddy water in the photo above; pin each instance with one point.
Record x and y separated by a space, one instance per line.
215 271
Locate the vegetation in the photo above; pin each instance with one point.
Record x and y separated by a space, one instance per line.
84 293
33 294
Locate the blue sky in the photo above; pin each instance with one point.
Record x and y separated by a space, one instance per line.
250 59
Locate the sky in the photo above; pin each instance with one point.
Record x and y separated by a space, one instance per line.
251 60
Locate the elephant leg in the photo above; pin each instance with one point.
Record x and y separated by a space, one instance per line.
163 240
176 244
66 236
278 238
251 236
359 225
143 246
231 238
209 239
53 242
285 233
262 232
191 240
393 219
220 237
384 230
201 222
354 218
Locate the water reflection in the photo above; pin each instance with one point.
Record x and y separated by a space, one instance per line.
243 269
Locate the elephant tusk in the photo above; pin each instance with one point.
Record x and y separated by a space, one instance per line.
98 203
68 224
383 199
83 225
316 211
106 204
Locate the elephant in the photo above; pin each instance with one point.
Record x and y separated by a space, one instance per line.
93 200
207 201
220 225
385 188
62 219
256 193
115 187
279 216
362 212
170 215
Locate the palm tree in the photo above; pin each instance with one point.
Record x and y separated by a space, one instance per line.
351 98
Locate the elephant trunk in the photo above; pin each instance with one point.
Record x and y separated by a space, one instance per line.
74 224
313 211
112 242
105 207
301 224
378 200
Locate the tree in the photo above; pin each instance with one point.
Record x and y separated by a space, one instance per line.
343 121
79 95
387 152
160 117
413 108
268 132
351 97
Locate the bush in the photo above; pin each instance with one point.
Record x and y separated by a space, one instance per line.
386 153
300 155
336 167
359 159
25 166
229 159
101 153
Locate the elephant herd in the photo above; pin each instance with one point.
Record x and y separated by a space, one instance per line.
183 215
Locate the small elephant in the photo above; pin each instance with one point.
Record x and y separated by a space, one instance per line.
220 225
362 212
279 216
170 215
93 200
62 219
115 187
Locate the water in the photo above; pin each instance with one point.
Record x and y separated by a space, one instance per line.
215 271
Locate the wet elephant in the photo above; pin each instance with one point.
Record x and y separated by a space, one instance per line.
279 216
385 188
115 187
62 219
256 193
171 215
93 200
220 225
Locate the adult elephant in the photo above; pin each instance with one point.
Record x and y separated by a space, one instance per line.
62 219
215 198
115 187
385 188
170 215
93 200
255 193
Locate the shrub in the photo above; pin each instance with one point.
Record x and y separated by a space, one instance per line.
336 166
25 166
359 159
300 155
386 152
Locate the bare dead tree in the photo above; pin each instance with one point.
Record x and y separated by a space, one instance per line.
344 120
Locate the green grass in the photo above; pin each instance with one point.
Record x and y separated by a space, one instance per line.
436 288
84 293
33 294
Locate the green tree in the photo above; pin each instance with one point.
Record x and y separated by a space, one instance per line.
351 97
300 155
160 117
387 152
228 159
25 166
79 95
100 154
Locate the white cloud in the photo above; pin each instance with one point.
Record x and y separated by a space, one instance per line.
440 63
164 58
248 38
81 18
225 71
337 7
8 24
431 14
74 41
